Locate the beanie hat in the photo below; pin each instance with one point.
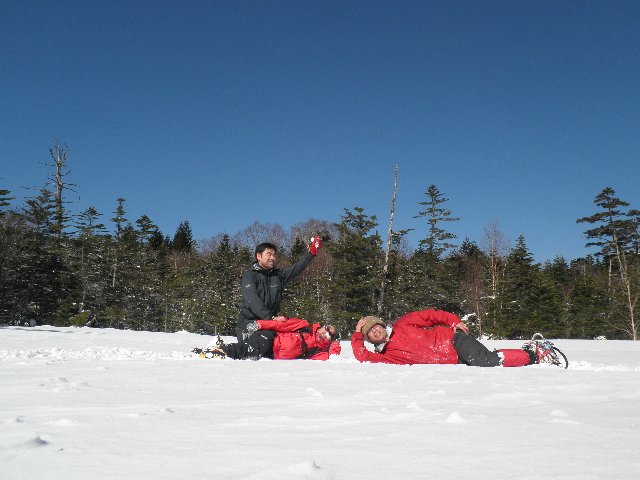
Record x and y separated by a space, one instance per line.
369 323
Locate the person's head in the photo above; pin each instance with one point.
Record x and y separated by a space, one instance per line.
374 330
266 255
326 333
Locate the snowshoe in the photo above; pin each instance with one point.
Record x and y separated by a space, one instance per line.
209 352
545 351
217 343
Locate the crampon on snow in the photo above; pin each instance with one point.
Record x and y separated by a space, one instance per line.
546 352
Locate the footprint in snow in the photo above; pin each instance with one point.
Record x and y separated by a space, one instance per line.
560 416
455 418
414 406
62 422
41 440
313 392
301 471
63 384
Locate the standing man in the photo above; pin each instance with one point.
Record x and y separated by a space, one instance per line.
262 286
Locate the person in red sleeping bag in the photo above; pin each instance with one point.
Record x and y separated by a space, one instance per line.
430 336
295 338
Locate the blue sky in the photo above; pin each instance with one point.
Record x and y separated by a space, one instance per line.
224 113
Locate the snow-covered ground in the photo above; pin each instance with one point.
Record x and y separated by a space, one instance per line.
108 404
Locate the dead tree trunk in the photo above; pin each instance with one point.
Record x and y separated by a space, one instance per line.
385 266
60 156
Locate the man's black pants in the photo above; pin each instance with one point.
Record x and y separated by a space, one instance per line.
472 352
258 345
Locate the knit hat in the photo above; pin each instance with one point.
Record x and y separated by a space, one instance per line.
369 323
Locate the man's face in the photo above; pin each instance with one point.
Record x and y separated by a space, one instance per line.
267 259
377 334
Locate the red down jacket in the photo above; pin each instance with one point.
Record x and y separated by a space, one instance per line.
425 336
288 343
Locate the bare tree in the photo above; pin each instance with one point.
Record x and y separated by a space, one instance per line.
262 232
496 247
60 157
313 226
385 266
473 285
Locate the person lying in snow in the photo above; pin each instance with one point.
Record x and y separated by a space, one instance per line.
432 336
295 338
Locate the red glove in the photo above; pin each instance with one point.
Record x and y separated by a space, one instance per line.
316 244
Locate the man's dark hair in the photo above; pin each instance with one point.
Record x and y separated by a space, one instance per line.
265 246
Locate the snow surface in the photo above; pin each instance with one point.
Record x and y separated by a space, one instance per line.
110 404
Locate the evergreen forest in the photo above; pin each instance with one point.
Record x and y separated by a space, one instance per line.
79 269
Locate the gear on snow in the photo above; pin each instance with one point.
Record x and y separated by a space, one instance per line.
544 351
212 351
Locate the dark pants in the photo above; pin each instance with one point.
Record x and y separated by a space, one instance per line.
472 352
241 329
258 345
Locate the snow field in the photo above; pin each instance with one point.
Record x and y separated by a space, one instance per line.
105 404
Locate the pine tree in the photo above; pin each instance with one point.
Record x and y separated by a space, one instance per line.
308 297
5 200
41 267
558 272
356 269
39 212
221 287
616 234
513 308
114 314
546 310
145 306
183 239
469 262
588 301
428 281
437 241
395 299
14 238
89 260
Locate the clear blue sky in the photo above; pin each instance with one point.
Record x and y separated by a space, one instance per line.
224 113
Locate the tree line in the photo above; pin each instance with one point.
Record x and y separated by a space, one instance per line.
80 269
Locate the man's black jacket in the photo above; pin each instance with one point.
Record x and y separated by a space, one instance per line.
262 291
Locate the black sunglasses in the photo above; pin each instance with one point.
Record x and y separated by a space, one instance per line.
328 330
